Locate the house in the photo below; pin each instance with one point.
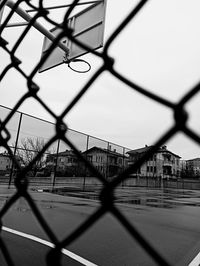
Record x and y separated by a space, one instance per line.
5 161
183 168
108 162
66 163
193 167
163 163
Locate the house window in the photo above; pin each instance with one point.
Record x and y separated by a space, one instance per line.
153 158
167 157
120 160
151 169
167 170
138 171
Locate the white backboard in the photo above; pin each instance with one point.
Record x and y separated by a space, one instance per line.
88 26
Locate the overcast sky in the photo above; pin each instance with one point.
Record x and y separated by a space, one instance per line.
159 50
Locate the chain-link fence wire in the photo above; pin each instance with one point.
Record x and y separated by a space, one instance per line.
28 135
106 195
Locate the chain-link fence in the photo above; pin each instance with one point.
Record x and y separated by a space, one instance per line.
62 135
59 165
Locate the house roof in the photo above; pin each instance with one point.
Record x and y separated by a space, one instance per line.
63 153
104 151
192 160
140 150
145 149
3 154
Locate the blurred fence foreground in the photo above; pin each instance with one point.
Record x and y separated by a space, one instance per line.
32 154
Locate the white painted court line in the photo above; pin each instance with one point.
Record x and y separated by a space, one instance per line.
195 261
49 244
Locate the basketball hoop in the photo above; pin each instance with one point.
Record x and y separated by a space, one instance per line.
87 28
80 62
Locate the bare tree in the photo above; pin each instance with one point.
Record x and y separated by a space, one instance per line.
28 150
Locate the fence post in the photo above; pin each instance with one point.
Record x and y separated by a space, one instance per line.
84 178
107 170
123 165
55 167
15 150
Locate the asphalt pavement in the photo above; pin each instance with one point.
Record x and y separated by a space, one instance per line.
168 219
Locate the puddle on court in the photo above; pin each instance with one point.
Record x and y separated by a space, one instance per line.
157 199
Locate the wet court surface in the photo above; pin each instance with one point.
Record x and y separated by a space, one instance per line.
160 198
168 219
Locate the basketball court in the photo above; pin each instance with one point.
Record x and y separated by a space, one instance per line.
87 26
172 229
37 248
106 237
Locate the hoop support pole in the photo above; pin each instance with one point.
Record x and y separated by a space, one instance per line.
36 25
64 6
16 24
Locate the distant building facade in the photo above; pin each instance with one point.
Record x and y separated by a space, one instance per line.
5 162
108 163
183 165
193 167
66 163
163 163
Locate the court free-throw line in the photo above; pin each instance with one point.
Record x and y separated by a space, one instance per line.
49 244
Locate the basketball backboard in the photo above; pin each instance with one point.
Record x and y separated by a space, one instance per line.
88 28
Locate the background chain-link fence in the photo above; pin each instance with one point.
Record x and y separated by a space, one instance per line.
59 164
62 134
